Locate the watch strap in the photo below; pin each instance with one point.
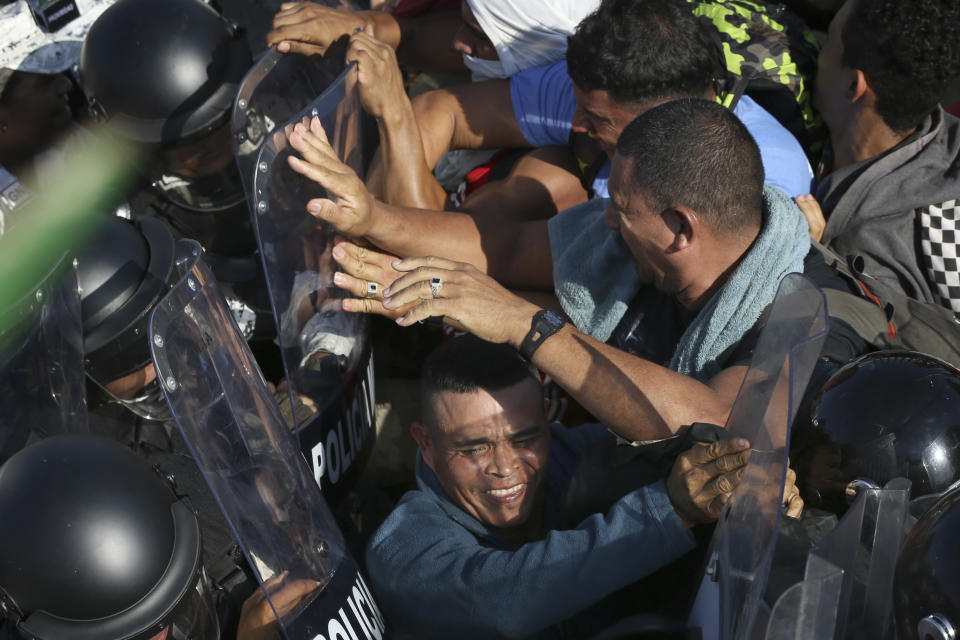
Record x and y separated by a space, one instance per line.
545 324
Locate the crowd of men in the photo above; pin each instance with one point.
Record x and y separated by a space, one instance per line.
605 195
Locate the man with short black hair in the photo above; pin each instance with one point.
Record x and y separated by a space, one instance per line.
890 184
626 57
664 304
474 553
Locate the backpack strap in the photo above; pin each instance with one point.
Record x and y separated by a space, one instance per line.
887 318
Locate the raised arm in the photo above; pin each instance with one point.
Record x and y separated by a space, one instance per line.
469 116
515 252
636 398
309 28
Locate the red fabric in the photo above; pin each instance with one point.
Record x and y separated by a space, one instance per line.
955 109
413 8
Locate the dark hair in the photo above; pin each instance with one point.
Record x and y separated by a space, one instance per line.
466 364
642 50
909 51
696 153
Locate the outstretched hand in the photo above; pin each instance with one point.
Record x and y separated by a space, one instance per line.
366 273
349 209
461 294
308 28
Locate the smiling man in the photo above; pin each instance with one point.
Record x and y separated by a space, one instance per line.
474 553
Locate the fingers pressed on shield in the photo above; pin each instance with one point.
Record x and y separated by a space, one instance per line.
365 263
703 454
327 178
366 289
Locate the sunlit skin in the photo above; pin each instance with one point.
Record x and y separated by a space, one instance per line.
490 452
647 235
602 117
470 38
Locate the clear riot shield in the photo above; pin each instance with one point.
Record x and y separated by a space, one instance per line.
729 604
235 431
865 545
326 352
42 388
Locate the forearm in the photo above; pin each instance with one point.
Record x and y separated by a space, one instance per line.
400 174
634 397
407 232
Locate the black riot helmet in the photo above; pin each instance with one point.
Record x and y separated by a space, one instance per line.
164 75
162 72
123 273
100 547
926 592
885 415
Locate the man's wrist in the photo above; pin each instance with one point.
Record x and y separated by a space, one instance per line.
544 324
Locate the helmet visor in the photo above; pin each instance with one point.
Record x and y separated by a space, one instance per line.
201 175
146 401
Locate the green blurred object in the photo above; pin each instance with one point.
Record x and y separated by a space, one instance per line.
57 222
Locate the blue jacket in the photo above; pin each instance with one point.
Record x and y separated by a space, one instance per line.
439 573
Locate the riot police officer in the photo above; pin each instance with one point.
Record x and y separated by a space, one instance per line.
163 76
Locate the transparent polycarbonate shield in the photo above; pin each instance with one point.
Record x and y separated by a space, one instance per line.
742 545
277 87
326 352
866 544
42 389
808 609
232 424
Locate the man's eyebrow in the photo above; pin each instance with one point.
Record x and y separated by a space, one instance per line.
526 433
519 435
470 443
596 115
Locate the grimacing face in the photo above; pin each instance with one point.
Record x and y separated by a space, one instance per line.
642 228
490 451
602 117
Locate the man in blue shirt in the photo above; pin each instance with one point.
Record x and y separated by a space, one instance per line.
475 553
623 59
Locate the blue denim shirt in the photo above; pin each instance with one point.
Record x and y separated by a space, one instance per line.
437 572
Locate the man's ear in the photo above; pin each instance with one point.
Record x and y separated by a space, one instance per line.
858 85
684 223
422 437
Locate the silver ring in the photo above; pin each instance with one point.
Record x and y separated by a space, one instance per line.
372 289
435 284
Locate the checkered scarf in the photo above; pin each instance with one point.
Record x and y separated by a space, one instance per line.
940 248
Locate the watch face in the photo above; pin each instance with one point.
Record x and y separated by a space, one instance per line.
553 318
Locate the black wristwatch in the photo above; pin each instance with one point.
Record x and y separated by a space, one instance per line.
545 323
